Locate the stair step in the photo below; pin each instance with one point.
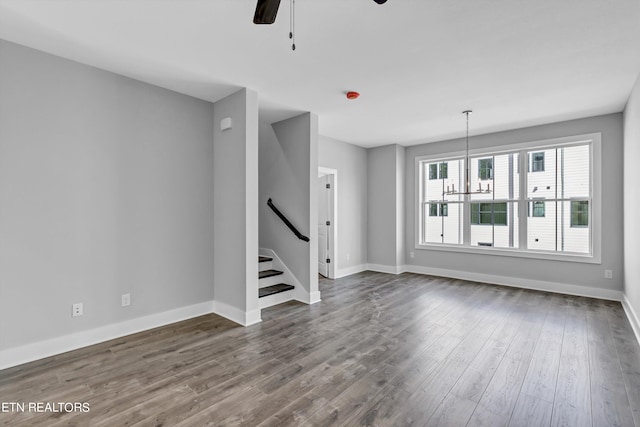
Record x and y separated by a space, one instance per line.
274 289
263 258
268 273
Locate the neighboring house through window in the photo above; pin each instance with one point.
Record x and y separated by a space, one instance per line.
580 213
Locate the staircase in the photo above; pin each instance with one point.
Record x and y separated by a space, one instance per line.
271 291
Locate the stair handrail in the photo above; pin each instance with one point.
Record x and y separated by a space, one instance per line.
286 221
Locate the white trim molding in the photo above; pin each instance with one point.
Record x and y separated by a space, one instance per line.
348 271
632 316
391 269
518 282
50 347
314 297
235 314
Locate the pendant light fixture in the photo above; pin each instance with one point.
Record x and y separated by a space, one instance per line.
467 183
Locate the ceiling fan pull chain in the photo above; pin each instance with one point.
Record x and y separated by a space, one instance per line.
292 12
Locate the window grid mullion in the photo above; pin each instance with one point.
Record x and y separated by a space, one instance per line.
522 200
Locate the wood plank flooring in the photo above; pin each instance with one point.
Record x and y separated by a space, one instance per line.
379 350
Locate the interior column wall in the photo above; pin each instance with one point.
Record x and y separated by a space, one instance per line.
632 203
235 218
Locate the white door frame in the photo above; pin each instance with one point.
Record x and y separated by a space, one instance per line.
333 236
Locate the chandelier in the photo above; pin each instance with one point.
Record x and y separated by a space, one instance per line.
467 186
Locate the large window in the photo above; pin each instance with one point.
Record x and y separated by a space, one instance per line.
548 209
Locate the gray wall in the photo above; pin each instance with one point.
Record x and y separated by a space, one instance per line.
632 198
385 205
235 190
351 163
105 188
590 275
288 175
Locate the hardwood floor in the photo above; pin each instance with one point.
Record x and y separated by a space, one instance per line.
379 350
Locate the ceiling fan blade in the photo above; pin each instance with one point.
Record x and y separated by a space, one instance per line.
266 11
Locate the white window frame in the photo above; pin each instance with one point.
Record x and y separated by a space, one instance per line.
594 257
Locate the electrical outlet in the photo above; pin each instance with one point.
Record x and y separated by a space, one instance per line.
608 274
411 255
126 300
77 310
348 256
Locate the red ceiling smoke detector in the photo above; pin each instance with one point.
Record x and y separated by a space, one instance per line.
352 95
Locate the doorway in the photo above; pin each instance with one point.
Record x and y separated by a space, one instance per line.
327 227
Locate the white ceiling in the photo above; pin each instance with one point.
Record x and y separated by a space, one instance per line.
417 64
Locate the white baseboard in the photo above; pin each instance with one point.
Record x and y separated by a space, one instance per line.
235 314
632 316
518 282
314 297
391 269
252 317
348 271
50 347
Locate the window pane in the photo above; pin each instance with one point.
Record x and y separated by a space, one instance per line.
449 173
504 183
452 224
432 226
574 164
564 174
556 232
542 184
501 231
574 238
442 222
541 231
446 228
453 182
